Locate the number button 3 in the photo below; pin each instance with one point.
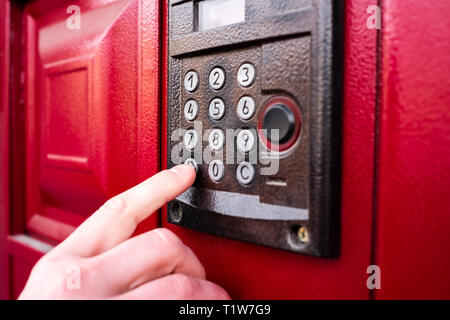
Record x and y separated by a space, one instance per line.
246 74
217 78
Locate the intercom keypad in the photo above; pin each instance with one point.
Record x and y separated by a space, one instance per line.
253 105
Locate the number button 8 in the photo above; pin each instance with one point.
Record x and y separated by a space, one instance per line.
216 139
246 74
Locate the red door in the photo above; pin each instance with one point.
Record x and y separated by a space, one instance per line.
90 125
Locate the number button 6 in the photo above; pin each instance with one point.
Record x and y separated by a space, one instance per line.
246 108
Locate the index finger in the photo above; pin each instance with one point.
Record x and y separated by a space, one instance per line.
117 219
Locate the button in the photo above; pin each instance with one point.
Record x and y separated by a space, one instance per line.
245 173
190 139
217 78
216 170
191 110
245 140
191 81
279 117
191 162
216 109
246 108
246 74
216 139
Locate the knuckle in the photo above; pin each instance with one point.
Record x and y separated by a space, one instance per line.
114 205
170 240
183 286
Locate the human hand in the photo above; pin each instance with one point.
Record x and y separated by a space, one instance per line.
100 261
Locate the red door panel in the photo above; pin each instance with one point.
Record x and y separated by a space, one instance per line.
91 118
254 272
413 238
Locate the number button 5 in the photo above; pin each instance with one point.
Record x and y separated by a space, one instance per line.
216 109
246 74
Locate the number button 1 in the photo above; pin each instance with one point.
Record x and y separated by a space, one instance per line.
246 74
216 139
245 140
217 78
191 110
216 170
246 108
216 109
190 139
191 81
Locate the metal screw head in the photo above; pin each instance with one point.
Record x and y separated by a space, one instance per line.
176 213
303 235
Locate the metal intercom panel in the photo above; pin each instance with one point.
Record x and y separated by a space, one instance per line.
254 105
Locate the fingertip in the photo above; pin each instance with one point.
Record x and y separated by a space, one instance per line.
184 170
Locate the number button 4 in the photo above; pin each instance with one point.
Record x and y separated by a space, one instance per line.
191 110
246 74
217 78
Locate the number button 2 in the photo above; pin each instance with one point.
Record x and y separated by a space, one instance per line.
191 81
217 78
191 110
216 109
246 74
246 108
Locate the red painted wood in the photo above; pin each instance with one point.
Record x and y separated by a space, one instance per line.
413 239
4 147
250 271
92 109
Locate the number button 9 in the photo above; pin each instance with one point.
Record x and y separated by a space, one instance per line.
217 78
246 74
216 139
191 81
191 110
246 108
245 140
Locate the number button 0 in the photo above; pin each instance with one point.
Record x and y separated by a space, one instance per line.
191 110
190 139
246 74
216 139
217 78
245 140
191 81
245 173
216 109
216 170
246 108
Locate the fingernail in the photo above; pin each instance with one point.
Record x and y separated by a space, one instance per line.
182 169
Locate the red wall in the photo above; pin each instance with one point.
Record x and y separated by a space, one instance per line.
413 228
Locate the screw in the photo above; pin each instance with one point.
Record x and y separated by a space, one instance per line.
176 213
303 235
